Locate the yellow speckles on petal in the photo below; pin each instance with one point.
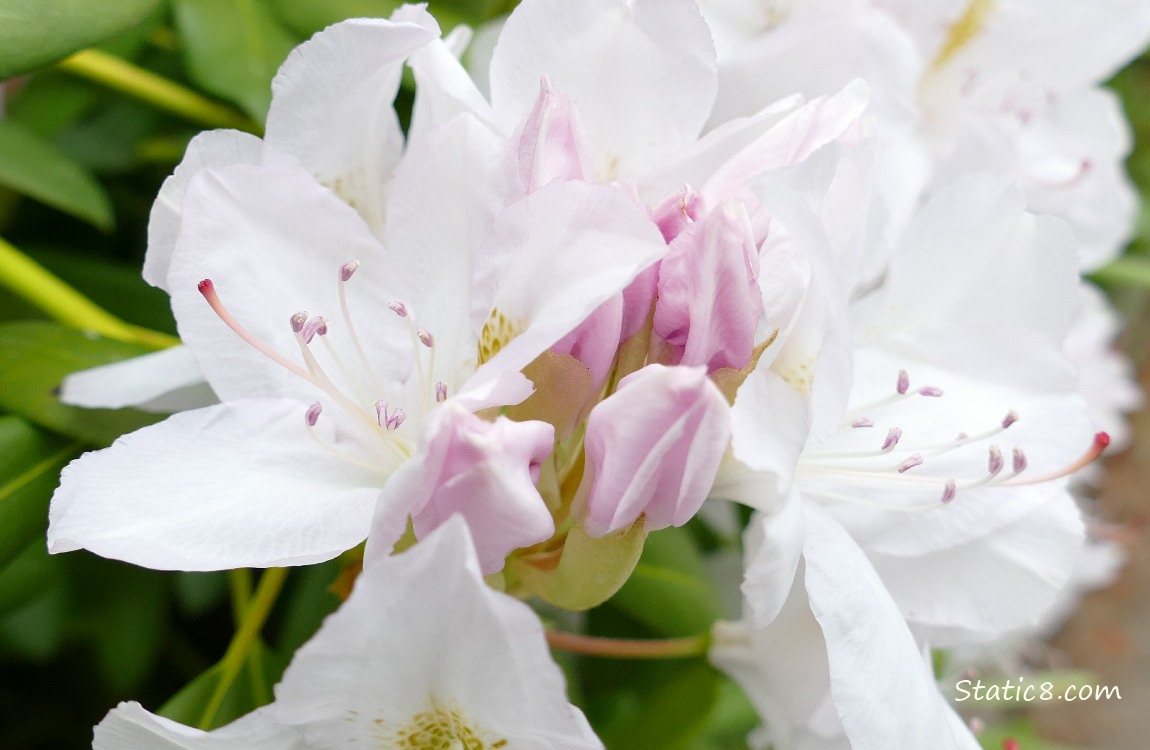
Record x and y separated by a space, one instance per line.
962 31
439 728
799 374
497 332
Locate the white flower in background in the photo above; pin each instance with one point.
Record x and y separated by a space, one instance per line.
423 654
959 87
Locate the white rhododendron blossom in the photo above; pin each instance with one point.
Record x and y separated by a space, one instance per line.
616 276
423 654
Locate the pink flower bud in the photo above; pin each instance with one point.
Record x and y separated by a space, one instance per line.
486 472
653 448
709 298
553 142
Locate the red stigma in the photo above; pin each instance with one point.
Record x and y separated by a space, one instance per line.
1101 440
207 287
1010 743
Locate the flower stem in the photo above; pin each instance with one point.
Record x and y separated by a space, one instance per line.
40 287
614 648
123 76
240 582
245 639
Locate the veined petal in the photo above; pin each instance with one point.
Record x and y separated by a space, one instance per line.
208 150
165 381
443 89
274 242
874 661
228 486
332 104
424 643
642 74
773 545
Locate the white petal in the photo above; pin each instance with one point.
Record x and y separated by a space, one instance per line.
165 381
772 546
991 585
422 632
642 74
332 104
208 150
874 661
237 485
443 89
129 727
770 421
273 242
553 258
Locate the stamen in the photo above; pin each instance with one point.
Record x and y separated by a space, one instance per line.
208 289
381 412
892 438
994 461
949 490
1018 460
912 461
314 326
930 391
347 270
298 320
313 413
903 382
398 308
440 391
425 338
863 422
396 419
1101 440
1010 418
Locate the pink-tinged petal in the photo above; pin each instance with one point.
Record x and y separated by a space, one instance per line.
423 632
550 261
483 471
229 486
709 299
596 340
129 726
165 381
677 212
641 72
638 298
553 141
208 150
653 449
332 104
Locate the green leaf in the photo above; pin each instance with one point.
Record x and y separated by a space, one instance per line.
307 603
35 357
233 49
187 706
669 591
670 712
305 17
33 34
30 463
28 576
39 170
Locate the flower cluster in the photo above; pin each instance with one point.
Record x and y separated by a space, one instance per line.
659 255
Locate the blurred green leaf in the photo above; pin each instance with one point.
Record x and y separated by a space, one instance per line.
35 357
671 711
669 591
39 170
37 630
233 49
1021 731
30 463
27 576
33 34
187 706
306 603
305 17
196 593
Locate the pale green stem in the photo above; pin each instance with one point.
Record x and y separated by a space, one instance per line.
615 648
245 638
40 287
240 581
123 76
